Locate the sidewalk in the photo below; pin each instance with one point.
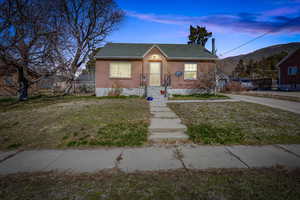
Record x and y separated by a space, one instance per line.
151 158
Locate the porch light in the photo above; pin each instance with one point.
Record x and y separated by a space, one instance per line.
155 57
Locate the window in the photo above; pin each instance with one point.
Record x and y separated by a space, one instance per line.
292 70
190 71
8 80
120 70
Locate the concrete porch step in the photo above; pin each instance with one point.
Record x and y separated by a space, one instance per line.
158 104
165 115
163 130
166 124
160 109
169 136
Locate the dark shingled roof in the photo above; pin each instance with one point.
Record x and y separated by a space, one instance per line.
171 51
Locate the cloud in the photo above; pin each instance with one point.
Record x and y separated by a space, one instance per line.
294 1
275 21
283 11
163 19
286 2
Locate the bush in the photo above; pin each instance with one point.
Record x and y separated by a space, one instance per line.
116 90
234 87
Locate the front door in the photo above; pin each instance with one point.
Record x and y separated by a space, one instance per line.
154 76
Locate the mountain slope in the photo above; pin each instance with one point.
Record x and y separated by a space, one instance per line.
227 65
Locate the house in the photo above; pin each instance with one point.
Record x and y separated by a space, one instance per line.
222 79
289 71
85 82
9 80
136 69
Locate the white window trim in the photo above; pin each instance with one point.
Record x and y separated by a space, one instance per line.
116 77
190 71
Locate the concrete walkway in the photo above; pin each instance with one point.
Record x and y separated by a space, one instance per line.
165 125
275 103
151 158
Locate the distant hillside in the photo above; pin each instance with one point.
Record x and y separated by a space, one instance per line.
227 65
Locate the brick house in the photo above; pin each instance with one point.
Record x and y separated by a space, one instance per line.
131 68
289 71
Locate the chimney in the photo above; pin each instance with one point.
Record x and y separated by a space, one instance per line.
213 46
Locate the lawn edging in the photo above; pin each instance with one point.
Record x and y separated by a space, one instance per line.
198 97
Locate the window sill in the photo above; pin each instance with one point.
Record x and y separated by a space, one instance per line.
120 78
190 79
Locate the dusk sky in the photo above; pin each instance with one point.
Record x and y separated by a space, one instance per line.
232 22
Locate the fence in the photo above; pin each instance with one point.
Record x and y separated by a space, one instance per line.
84 87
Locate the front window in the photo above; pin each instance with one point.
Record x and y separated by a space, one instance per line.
292 70
120 70
190 71
8 80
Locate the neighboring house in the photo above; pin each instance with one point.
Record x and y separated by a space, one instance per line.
222 79
133 67
53 82
9 81
289 71
85 82
246 83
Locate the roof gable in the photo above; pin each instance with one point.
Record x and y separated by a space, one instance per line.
170 51
155 46
286 58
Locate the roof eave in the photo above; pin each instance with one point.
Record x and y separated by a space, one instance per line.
168 58
286 58
118 57
192 58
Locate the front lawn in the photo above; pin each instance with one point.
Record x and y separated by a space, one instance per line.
60 122
238 123
198 97
246 184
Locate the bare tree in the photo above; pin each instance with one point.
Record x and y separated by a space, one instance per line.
87 23
28 38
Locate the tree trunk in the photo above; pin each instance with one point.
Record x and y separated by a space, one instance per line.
69 87
23 85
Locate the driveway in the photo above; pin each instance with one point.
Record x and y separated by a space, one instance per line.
275 103
276 93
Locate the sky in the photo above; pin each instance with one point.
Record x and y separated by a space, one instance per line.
232 22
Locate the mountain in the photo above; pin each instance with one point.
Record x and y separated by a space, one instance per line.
227 65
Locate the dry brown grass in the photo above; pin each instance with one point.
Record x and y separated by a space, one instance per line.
238 123
73 122
233 184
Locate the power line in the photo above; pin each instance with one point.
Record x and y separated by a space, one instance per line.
258 37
